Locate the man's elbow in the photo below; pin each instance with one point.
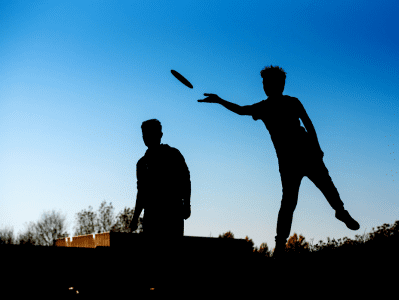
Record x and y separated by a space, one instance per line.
244 111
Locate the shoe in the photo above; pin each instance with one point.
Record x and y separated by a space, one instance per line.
347 219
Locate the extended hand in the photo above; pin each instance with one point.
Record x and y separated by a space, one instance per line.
212 98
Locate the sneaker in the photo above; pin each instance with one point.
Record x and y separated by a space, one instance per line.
347 219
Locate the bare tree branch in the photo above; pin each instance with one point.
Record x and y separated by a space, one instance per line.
7 236
105 217
86 222
123 221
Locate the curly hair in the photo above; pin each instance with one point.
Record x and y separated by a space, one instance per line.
275 73
276 76
151 125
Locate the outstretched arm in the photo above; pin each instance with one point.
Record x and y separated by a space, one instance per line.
213 98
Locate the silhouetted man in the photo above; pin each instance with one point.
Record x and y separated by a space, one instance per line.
298 150
163 186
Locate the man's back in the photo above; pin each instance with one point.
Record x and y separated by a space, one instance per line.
162 177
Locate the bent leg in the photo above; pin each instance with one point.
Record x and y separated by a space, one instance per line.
319 175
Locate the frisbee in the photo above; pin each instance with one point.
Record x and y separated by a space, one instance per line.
181 79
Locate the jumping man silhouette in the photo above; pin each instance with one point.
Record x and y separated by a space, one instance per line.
298 151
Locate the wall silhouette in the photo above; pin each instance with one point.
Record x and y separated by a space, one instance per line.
85 241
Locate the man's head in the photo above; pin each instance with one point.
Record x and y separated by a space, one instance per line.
273 80
152 132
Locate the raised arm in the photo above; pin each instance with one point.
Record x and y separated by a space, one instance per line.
235 108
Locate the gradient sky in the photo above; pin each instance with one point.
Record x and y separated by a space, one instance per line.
78 78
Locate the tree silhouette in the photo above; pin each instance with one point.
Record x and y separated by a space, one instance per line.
297 245
251 242
226 235
105 217
86 222
51 226
7 236
123 220
28 237
89 222
264 250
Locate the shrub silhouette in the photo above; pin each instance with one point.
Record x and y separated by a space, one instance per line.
264 251
226 235
380 244
297 245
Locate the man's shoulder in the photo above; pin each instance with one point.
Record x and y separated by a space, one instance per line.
173 151
261 102
141 161
271 103
291 99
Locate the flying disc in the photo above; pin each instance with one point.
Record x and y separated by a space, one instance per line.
181 79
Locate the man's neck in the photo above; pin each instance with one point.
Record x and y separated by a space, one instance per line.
154 147
274 96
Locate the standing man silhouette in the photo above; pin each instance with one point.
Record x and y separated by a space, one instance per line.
163 191
163 186
298 150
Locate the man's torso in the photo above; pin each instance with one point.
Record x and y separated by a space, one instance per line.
159 179
281 118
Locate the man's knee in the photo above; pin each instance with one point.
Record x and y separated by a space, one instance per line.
288 203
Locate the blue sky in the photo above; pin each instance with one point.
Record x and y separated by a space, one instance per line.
78 78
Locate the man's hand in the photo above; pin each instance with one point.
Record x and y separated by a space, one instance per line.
212 98
133 225
186 212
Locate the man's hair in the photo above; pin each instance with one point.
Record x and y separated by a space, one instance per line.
276 75
151 125
273 73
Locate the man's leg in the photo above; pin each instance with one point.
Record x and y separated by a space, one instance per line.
318 174
171 252
290 181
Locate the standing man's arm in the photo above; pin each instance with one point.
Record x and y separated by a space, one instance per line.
139 199
186 186
240 110
137 211
187 193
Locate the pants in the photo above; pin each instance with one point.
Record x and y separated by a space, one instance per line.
166 227
291 177
164 222
163 237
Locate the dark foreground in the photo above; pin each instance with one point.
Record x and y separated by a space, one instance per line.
202 266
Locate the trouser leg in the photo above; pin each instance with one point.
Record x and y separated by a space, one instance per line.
290 184
319 175
167 234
